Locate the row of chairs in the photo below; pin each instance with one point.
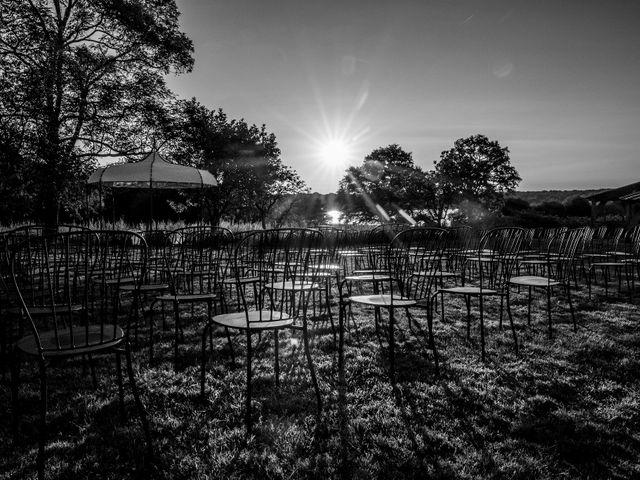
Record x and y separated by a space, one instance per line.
81 292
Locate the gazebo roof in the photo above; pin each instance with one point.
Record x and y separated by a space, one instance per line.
621 193
152 172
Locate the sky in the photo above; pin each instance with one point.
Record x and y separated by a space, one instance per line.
555 81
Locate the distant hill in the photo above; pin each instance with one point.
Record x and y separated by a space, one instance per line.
536 197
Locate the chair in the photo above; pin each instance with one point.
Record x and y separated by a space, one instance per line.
559 266
196 264
609 260
408 271
273 274
154 278
56 277
493 264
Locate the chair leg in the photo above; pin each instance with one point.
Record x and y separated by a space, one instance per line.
176 341
529 307
467 300
92 367
341 314
43 418
312 370
276 348
482 326
573 315
392 343
203 363
513 328
15 388
248 394
233 356
549 312
136 396
120 385
432 340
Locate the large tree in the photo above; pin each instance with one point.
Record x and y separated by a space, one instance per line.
83 78
477 170
245 159
388 185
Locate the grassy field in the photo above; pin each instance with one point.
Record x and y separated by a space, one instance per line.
562 408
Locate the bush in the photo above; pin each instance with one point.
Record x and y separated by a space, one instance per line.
551 208
577 207
514 205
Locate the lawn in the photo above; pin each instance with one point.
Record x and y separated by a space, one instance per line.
561 408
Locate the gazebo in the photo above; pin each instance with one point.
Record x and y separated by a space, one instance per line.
627 195
152 173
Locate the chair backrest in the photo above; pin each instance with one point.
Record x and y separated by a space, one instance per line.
562 252
198 259
414 258
497 256
280 262
62 282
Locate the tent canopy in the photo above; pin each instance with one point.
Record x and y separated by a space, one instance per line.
152 172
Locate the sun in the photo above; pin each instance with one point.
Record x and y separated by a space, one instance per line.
334 152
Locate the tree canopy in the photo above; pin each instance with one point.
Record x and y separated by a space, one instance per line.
83 78
387 185
245 159
477 170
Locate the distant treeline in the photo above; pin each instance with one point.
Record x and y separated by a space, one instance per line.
533 197
536 197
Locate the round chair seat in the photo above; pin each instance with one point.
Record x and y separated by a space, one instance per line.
258 320
94 339
533 281
469 291
382 301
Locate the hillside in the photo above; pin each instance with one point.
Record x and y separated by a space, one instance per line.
535 197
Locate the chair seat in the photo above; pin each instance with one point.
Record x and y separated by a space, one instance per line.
95 339
534 262
47 310
440 273
469 290
533 281
382 300
293 287
147 287
379 277
607 264
238 320
185 297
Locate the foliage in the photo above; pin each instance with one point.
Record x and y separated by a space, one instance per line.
81 79
387 185
514 205
577 207
245 159
477 170
552 208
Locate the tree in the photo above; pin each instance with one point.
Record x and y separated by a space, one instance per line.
82 79
478 170
387 184
245 159
577 207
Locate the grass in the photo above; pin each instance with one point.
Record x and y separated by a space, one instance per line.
561 408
